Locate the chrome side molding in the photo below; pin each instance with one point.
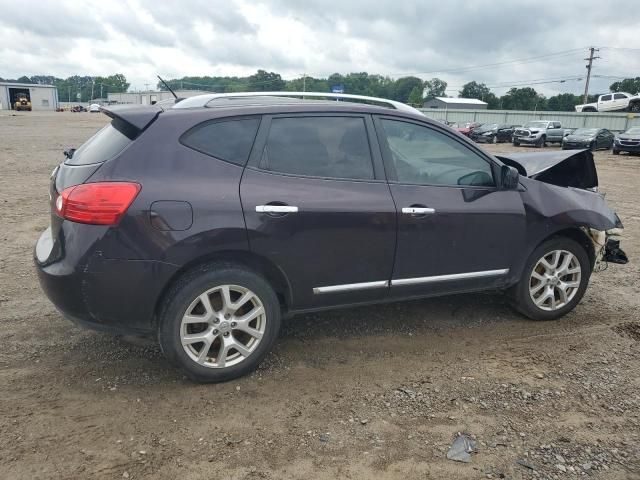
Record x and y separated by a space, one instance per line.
399 282
350 287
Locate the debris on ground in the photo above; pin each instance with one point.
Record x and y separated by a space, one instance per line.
462 448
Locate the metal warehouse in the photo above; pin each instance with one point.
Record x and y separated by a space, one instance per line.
150 97
455 103
40 97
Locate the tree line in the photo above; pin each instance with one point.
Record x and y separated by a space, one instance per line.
410 89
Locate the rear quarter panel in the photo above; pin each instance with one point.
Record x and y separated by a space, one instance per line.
167 170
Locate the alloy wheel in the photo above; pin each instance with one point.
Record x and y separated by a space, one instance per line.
555 280
223 326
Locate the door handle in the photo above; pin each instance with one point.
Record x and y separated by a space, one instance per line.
418 210
276 209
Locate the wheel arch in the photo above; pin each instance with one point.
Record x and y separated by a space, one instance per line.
576 234
243 258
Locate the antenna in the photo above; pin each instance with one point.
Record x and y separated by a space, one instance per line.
168 87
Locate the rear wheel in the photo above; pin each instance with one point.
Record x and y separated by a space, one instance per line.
634 107
553 281
218 322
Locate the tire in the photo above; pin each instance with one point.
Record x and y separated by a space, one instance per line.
592 146
185 299
522 298
495 139
615 152
634 107
516 143
542 142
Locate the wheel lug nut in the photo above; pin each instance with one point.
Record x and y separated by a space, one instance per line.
226 334
215 332
234 324
215 320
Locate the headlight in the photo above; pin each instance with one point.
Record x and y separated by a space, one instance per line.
617 140
486 134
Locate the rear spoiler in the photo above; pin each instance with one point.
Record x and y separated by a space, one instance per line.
132 119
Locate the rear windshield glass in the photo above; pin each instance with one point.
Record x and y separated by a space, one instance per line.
106 144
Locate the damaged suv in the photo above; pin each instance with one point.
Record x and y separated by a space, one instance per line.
204 223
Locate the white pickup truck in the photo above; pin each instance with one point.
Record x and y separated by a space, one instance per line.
613 102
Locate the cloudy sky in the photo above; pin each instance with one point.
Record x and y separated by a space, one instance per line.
501 43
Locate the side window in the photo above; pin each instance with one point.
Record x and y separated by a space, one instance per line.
335 147
229 140
605 98
619 96
424 156
556 124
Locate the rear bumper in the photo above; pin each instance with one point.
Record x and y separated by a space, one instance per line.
118 296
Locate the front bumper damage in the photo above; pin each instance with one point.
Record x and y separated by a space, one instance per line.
606 245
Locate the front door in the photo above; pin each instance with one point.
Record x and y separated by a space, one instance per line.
456 229
317 207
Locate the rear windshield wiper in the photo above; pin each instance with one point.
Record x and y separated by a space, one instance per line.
69 153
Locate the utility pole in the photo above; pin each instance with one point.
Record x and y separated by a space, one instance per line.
304 82
146 85
93 84
101 85
591 58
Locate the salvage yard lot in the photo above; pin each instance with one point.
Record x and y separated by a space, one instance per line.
375 391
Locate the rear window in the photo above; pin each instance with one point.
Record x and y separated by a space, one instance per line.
229 140
106 144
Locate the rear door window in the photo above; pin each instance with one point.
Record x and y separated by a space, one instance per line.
619 96
323 146
106 144
229 140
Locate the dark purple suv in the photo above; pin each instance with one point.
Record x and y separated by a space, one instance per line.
204 223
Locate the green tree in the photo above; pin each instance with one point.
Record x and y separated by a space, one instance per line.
405 86
263 81
629 85
308 84
435 88
523 99
416 97
564 102
474 89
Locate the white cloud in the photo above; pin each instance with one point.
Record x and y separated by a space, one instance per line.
142 38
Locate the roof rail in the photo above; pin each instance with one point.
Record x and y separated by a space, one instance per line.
203 100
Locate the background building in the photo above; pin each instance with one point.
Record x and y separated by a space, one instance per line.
455 103
148 97
42 97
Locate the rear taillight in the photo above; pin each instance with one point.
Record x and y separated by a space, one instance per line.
101 203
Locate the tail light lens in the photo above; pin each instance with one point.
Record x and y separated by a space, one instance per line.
101 203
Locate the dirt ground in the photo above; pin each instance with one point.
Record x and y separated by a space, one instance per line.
369 392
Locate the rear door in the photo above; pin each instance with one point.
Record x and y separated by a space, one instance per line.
317 206
605 103
456 230
620 101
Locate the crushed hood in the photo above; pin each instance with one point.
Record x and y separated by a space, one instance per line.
564 168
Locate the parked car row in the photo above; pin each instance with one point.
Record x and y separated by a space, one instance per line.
540 133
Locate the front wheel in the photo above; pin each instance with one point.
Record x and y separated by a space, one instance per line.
615 152
516 143
218 322
553 281
542 142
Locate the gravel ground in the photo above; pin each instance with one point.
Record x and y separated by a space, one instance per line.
375 391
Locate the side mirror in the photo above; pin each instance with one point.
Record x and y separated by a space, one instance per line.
509 178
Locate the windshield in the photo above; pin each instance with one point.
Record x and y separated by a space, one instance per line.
535 125
585 131
490 126
634 131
